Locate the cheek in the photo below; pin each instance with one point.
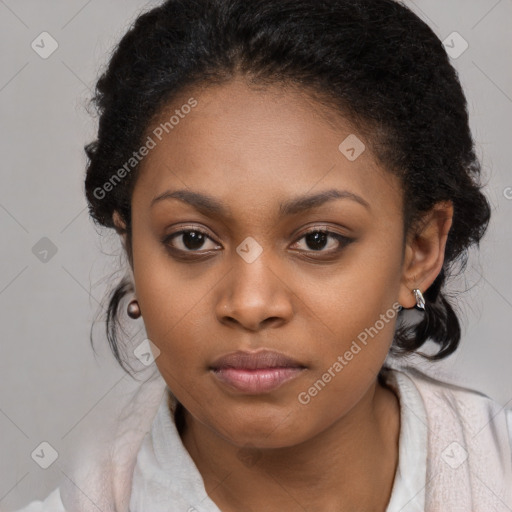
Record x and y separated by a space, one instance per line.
347 367
353 323
172 298
171 313
351 298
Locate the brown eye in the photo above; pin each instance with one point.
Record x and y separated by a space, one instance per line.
316 240
188 240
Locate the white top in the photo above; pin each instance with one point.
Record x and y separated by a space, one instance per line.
164 474
165 470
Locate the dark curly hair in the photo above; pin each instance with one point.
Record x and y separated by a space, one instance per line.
374 61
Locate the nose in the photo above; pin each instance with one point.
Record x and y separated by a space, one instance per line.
254 296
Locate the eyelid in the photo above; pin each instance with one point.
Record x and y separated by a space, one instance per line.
319 227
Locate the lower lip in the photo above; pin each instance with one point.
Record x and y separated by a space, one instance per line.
256 381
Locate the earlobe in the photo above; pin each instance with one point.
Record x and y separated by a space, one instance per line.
425 253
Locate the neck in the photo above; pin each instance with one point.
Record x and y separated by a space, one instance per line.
348 466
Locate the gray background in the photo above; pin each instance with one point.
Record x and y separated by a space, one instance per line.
54 388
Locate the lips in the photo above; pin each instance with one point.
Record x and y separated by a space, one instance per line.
254 361
255 373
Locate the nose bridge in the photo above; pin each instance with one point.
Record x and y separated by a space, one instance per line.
254 292
253 273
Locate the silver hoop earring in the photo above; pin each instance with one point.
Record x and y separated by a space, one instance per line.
420 300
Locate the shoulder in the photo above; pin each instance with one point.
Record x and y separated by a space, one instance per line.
445 388
471 407
52 503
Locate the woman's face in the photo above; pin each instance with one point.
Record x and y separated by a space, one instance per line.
255 280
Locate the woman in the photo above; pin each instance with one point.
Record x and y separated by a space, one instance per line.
293 183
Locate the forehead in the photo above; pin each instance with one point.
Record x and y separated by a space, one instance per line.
258 146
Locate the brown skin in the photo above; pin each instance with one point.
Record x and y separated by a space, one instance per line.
252 149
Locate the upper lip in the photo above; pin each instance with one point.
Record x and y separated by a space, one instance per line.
255 360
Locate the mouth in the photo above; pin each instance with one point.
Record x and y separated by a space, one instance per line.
256 372
262 359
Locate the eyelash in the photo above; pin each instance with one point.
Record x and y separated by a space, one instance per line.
343 240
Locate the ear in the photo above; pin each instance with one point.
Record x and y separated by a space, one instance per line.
424 252
120 226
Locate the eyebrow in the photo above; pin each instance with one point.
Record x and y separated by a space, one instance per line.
210 206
